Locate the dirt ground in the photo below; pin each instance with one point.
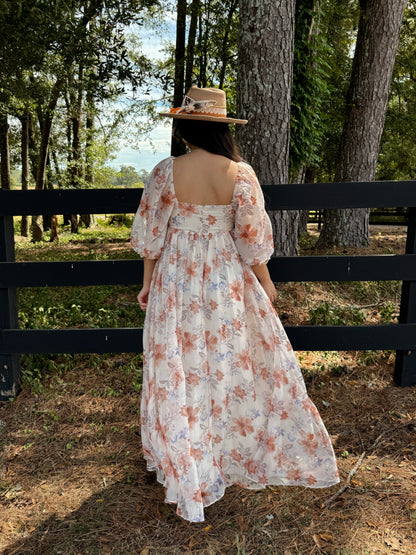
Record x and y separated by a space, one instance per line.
73 481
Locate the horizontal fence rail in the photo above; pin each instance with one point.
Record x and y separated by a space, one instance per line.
291 268
375 194
129 340
400 337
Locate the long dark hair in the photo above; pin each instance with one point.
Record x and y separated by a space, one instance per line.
212 136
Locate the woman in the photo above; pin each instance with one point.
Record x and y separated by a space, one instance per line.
223 400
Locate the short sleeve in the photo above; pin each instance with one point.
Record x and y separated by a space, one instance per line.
252 231
151 220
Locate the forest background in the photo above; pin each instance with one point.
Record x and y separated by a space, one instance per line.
75 86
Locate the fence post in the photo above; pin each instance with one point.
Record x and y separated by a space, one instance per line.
405 368
9 364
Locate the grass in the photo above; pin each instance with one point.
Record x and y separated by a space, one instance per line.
72 476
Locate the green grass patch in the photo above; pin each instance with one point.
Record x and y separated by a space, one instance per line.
326 313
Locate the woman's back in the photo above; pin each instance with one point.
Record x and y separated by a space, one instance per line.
204 178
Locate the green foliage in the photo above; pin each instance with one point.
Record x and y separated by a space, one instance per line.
215 52
65 307
65 61
376 292
397 159
326 313
129 177
389 313
339 23
310 87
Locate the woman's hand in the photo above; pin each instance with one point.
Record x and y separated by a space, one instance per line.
264 278
143 297
270 289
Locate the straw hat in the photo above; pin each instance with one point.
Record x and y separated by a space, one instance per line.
205 105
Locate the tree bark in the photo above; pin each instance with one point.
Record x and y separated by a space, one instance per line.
4 153
367 98
24 227
224 56
203 42
75 95
191 43
177 146
88 220
264 95
46 125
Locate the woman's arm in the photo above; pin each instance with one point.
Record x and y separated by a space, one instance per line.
264 278
143 296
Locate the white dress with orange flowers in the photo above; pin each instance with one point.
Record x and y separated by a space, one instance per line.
223 399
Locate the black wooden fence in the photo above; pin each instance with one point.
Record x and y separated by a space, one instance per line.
400 337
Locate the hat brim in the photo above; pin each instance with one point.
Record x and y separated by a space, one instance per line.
202 118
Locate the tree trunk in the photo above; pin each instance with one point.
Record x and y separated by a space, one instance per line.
4 153
89 137
32 148
47 218
177 147
75 108
46 125
191 43
375 53
264 94
88 220
224 56
24 228
203 42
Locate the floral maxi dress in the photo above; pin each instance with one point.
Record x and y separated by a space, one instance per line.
223 399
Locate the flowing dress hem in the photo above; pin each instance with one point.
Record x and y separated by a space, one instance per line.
236 479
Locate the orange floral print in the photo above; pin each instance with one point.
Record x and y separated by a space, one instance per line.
216 410
244 359
159 353
239 392
211 340
243 426
188 341
192 414
247 233
213 304
223 401
236 290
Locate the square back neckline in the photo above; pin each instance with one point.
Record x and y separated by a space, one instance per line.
203 205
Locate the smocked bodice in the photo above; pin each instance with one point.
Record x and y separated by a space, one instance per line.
202 219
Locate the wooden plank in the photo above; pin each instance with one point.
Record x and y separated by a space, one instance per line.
76 273
9 362
343 268
291 268
352 338
379 194
70 201
118 340
375 194
405 368
81 340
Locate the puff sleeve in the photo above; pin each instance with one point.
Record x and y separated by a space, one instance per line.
151 220
252 231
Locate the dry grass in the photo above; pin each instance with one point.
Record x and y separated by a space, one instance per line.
73 481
